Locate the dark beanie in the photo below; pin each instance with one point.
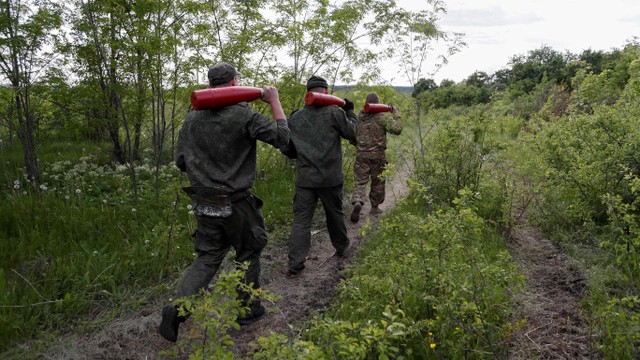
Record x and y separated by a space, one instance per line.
317 81
372 98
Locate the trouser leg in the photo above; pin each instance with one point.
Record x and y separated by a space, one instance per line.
377 192
247 233
332 203
211 249
361 177
304 206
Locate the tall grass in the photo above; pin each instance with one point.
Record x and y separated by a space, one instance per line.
80 245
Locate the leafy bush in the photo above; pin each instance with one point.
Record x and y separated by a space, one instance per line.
459 153
427 285
214 312
584 170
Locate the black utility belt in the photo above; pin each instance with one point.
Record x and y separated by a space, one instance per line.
237 196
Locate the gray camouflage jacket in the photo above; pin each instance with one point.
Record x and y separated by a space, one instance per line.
217 147
316 134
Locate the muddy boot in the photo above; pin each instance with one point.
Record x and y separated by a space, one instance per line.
252 317
343 252
170 323
355 214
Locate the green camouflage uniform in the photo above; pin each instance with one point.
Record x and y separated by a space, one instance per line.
316 134
370 154
217 150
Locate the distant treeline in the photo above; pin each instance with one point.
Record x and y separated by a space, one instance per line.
400 89
525 74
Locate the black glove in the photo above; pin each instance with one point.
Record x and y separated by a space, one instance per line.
289 150
348 105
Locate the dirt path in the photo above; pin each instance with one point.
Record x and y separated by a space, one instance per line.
136 337
554 328
313 290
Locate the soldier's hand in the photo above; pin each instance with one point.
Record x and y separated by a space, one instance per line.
270 94
348 105
394 110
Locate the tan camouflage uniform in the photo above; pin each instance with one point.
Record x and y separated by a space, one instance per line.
370 154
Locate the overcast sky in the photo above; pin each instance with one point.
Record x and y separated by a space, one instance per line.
496 30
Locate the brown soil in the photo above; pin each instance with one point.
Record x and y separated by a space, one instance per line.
554 328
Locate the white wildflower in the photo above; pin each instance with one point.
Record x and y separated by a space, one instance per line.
66 197
16 186
189 207
43 187
133 211
78 191
95 252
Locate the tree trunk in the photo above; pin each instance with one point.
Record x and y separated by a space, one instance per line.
27 138
136 142
116 149
29 152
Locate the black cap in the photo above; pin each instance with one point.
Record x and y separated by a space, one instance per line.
221 73
317 81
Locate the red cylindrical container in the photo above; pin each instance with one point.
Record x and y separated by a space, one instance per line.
223 96
320 99
376 108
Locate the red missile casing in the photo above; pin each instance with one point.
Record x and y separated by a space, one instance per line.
319 99
214 98
376 108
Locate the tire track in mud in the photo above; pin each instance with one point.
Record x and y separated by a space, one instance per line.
554 326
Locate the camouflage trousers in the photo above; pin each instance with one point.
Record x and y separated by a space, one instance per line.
244 230
363 169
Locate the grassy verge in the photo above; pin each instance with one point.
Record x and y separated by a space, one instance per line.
81 247
425 285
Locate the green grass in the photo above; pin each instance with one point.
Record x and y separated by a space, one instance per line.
82 242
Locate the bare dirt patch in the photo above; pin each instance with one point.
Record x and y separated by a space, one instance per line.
554 327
